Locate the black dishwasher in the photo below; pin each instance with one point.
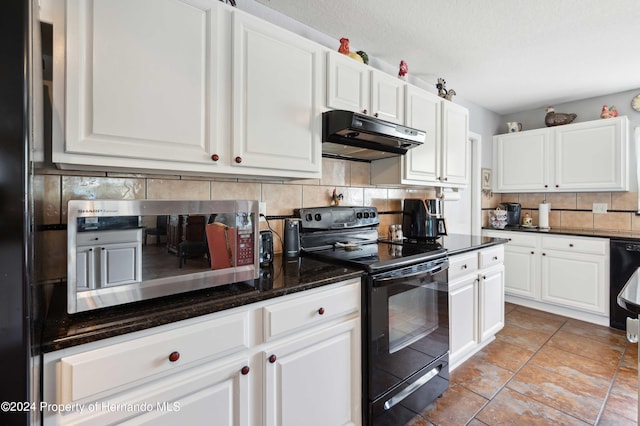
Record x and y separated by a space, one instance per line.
625 259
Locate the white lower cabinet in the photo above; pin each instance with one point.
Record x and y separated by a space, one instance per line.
220 369
567 275
476 301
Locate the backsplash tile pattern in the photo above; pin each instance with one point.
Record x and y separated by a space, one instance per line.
574 209
54 188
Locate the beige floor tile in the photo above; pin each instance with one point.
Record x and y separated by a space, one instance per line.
557 391
481 377
456 407
527 339
513 408
588 348
505 355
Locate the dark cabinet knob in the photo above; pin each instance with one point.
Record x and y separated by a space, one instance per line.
272 359
495 257
532 252
464 266
546 186
557 186
215 157
570 244
245 370
544 254
375 115
364 111
174 356
238 160
446 179
321 311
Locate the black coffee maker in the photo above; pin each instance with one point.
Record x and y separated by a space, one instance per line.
513 213
422 219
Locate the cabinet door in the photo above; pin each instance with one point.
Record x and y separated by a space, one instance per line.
491 302
219 397
154 98
576 280
120 264
276 96
315 380
521 161
387 97
463 314
85 268
348 83
423 112
455 144
521 271
592 156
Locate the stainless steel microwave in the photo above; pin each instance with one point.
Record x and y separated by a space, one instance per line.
122 251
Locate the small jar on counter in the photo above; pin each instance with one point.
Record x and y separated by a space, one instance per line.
392 232
398 233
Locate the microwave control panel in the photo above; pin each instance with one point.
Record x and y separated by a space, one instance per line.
245 248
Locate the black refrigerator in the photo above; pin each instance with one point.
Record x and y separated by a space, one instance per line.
15 365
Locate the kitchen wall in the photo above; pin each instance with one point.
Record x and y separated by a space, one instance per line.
54 188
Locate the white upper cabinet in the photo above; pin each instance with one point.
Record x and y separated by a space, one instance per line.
186 86
592 155
455 144
139 82
348 84
276 98
356 87
589 156
443 159
522 160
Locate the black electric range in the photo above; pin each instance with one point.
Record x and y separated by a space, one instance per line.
405 310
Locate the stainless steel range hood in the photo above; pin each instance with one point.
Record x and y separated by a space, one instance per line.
354 136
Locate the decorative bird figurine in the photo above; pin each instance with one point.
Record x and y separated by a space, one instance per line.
344 49
402 72
608 112
554 118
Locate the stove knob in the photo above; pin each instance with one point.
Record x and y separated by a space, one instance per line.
373 214
359 215
318 217
309 217
366 215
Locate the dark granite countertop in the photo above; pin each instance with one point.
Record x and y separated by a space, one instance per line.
600 233
461 243
61 330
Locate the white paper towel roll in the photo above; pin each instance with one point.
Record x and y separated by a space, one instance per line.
543 215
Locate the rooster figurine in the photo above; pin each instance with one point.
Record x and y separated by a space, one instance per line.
402 72
554 118
608 112
344 49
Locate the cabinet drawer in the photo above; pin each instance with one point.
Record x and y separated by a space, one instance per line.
109 237
522 239
576 244
281 318
92 372
491 256
462 264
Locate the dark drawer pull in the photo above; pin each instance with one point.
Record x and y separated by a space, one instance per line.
245 370
272 359
174 356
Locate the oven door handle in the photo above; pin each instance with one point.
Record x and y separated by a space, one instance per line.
394 400
432 271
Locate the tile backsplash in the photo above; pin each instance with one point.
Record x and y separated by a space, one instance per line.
574 209
54 188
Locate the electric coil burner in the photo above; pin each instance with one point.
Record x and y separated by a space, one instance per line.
405 323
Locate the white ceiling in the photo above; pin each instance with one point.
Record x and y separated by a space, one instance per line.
505 55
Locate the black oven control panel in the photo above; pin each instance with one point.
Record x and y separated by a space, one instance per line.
337 217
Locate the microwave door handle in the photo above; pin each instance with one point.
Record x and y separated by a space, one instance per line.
226 237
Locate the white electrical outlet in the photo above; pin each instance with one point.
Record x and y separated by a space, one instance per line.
599 208
262 206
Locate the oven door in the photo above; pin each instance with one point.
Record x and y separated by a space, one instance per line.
408 337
